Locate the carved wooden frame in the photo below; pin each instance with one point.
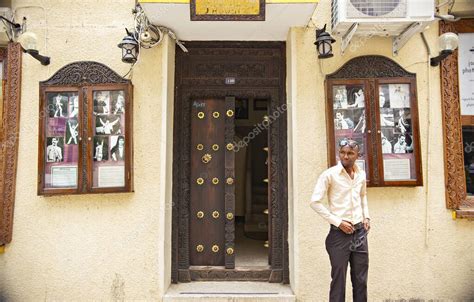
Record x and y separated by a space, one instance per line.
189 89
455 179
9 136
84 77
370 71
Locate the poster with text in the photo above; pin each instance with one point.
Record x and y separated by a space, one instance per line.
466 73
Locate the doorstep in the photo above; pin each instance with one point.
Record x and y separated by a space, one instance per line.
224 291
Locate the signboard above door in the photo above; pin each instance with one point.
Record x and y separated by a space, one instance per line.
219 10
226 20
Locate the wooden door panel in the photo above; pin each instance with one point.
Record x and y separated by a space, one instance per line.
260 73
207 217
229 183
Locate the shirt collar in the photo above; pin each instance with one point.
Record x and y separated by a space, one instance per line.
341 168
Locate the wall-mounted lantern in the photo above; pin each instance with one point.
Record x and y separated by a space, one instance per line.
27 39
448 42
129 48
323 43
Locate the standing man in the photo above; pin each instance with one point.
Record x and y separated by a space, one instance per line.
54 152
348 215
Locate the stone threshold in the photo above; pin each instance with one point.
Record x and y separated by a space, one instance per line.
234 291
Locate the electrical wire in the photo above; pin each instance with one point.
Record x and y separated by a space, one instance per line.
451 7
148 35
130 71
428 153
8 30
447 18
449 2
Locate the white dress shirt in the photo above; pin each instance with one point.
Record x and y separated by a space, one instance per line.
347 197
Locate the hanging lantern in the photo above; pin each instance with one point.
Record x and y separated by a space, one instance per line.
130 49
323 43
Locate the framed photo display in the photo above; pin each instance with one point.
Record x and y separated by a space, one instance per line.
380 113
85 136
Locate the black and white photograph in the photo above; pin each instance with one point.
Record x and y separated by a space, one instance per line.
101 102
401 145
54 149
339 97
117 147
73 105
404 144
241 109
399 95
101 148
403 120
359 120
384 96
57 105
118 102
387 138
355 97
108 124
343 119
72 131
386 117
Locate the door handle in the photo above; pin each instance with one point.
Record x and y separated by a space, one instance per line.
206 158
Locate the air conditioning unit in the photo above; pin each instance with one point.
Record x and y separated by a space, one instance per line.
380 17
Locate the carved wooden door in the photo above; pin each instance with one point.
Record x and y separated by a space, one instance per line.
212 183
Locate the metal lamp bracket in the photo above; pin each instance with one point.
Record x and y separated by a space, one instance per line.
347 37
400 40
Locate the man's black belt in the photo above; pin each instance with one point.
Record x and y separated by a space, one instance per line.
356 226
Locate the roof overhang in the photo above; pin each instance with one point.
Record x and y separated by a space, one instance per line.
280 15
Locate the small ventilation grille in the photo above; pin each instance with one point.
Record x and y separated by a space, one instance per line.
376 8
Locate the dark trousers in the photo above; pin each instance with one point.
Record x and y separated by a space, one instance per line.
343 249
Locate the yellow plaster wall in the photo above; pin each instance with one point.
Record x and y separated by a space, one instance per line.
89 247
117 246
416 249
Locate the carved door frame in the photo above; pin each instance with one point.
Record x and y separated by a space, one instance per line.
9 137
212 85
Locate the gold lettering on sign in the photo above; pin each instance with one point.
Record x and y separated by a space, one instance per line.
227 7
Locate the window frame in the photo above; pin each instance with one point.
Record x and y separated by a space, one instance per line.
86 118
354 72
455 178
